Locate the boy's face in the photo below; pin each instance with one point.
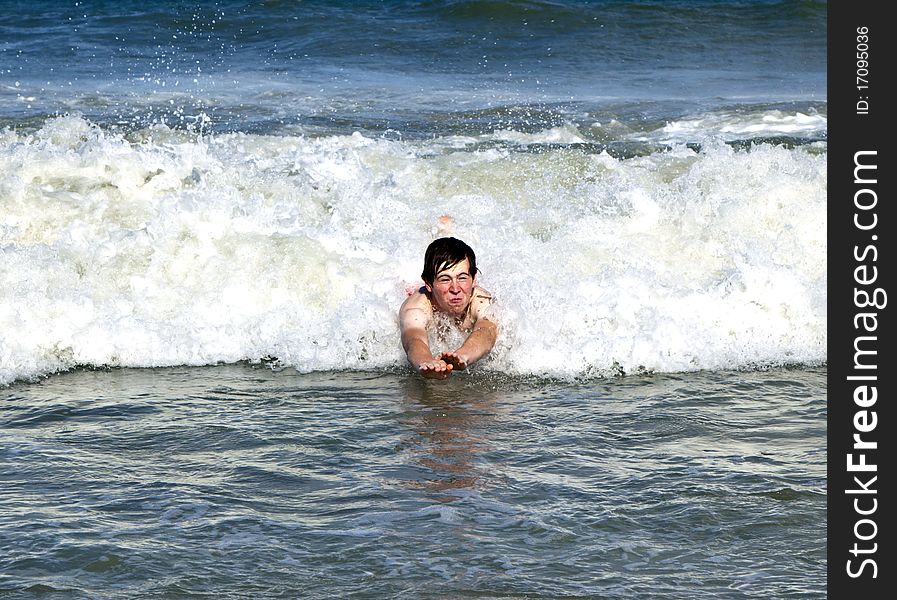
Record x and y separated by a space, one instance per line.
452 288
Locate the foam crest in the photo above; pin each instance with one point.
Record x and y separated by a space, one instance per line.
164 249
736 126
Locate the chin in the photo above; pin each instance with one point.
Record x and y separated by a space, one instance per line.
454 310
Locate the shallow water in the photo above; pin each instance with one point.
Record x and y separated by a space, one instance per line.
241 481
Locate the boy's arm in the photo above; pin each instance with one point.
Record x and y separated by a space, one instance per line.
413 321
476 346
481 339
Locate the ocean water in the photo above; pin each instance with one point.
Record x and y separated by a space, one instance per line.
237 481
210 213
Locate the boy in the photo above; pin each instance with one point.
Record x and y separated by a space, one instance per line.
450 288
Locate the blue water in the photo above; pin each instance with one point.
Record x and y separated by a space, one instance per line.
407 66
240 482
210 213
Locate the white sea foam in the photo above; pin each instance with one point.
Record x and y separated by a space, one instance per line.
165 249
734 126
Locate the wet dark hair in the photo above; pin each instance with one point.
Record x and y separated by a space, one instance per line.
445 253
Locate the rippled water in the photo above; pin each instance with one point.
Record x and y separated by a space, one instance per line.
239 481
